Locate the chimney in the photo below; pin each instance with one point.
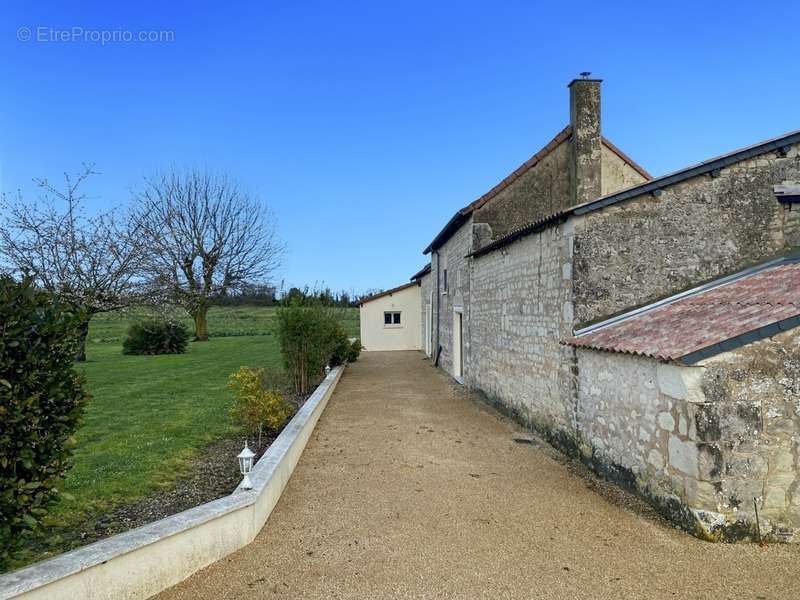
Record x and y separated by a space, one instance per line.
586 146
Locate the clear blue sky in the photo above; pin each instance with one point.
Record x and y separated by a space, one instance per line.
366 125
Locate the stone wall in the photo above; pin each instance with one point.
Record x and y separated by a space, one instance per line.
539 192
426 287
791 224
452 255
617 173
753 442
637 424
697 230
700 442
520 307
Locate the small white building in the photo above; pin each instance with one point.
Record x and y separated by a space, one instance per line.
390 320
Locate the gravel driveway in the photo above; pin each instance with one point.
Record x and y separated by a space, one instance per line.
410 488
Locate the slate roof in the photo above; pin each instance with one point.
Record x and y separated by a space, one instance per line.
708 320
422 272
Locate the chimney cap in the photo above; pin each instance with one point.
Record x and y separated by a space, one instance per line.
585 76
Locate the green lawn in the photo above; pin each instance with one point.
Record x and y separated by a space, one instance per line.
150 415
222 322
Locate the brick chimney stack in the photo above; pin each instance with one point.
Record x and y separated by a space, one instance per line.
586 145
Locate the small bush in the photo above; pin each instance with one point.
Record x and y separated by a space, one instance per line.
41 404
256 406
355 350
156 337
344 351
341 347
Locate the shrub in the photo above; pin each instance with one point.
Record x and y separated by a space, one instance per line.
355 350
344 351
255 405
156 336
307 337
41 404
341 347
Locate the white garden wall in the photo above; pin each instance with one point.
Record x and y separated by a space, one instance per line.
144 561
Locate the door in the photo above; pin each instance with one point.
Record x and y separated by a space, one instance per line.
458 345
428 328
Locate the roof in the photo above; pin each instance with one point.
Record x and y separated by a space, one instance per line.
520 232
422 272
700 323
780 144
461 216
399 288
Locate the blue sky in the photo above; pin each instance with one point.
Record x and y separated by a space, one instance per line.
365 125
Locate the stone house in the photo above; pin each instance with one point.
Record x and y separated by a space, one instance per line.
581 242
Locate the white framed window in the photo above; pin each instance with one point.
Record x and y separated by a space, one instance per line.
391 318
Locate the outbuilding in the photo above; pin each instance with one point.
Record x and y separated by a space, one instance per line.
390 320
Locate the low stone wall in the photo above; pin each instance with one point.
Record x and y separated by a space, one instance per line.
146 560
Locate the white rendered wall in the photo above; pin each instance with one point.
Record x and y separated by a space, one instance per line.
407 336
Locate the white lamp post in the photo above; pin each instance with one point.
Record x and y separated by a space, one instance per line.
327 369
246 457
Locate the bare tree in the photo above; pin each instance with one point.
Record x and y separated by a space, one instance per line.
204 238
91 261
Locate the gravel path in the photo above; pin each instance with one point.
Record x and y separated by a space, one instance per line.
410 488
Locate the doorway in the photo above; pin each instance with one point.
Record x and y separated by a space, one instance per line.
458 345
428 326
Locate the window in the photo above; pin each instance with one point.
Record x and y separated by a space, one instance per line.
444 281
391 319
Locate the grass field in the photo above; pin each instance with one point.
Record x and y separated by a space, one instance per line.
149 415
222 322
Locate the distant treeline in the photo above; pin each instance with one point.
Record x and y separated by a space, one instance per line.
265 295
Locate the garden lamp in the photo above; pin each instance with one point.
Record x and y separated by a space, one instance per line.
327 369
246 465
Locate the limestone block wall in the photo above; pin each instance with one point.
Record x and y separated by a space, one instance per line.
647 248
537 193
452 256
520 307
426 305
752 443
616 173
700 442
791 224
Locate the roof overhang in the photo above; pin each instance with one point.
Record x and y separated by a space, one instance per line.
399 288
421 273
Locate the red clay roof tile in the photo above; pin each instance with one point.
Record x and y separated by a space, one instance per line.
672 330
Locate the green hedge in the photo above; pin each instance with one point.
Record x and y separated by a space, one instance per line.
312 337
41 404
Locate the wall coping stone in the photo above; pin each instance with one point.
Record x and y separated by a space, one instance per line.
81 560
